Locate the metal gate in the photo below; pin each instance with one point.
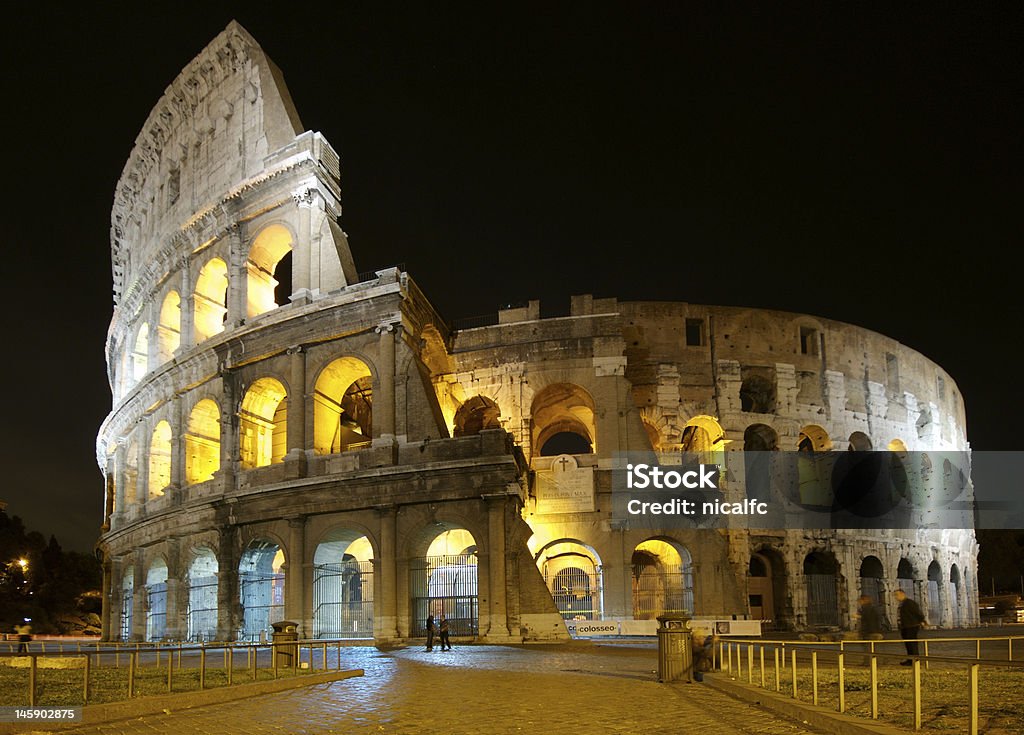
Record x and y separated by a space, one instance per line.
907 585
872 587
822 605
127 599
445 584
577 593
934 603
262 603
343 600
657 593
201 612
156 611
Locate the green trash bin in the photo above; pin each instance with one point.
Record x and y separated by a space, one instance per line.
675 655
285 640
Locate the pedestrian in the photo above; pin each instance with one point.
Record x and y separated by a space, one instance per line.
24 632
430 632
910 621
870 620
703 654
442 634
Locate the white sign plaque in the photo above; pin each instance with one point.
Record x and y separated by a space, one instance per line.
566 487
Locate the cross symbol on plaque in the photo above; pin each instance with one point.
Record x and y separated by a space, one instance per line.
563 461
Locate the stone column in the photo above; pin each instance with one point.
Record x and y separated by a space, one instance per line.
497 604
120 481
139 601
229 450
178 480
145 439
108 601
297 403
188 337
228 603
294 577
238 279
302 251
384 406
386 623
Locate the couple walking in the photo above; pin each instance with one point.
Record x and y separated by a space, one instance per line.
441 628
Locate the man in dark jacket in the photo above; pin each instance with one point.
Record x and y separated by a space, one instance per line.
910 620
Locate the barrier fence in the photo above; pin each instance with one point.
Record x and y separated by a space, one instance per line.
180 667
832 672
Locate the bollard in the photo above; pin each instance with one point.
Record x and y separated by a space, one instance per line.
85 683
675 655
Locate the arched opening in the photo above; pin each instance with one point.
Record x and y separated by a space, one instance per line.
704 438
445 582
905 577
210 300
127 603
343 586
662 580
202 442
476 415
263 424
872 582
813 438
573 574
269 270
169 329
897 445
261 589
563 421
934 594
759 441
813 467
757 395
954 597
343 407
160 460
766 588
859 442
201 614
140 354
131 473
821 571
156 601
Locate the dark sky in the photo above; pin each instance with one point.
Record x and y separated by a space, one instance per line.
861 165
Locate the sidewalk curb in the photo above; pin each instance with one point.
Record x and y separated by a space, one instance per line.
816 716
100 714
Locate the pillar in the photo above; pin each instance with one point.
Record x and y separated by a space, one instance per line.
228 428
238 279
497 603
138 629
188 337
385 568
228 602
297 402
384 406
295 578
108 602
177 450
302 251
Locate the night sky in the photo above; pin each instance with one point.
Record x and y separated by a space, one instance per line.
860 165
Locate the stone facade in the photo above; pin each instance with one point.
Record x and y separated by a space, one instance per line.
292 439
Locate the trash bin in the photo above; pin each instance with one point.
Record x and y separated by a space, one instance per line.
675 656
285 640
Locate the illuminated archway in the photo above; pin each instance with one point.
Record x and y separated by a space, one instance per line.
476 415
343 407
343 586
563 421
814 438
131 473
156 601
160 460
445 581
140 354
263 424
202 442
261 589
269 258
169 328
860 442
662 580
575 578
211 306
202 596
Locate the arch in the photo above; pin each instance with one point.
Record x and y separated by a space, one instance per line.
127 603
210 300
703 434
760 438
343 586
201 613
872 581
898 446
766 588
859 442
269 270
934 593
263 424
343 406
131 473
905 576
662 579
757 395
814 438
575 577
475 415
445 582
168 331
563 408
160 459
261 588
140 354
821 572
202 442
156 600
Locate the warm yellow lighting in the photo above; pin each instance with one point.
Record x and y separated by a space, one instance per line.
140 354
160 460
211 300
169 329
450 543
202 442
263 424
342 406
270 246
23 563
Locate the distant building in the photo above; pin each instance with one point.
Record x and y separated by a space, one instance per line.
291 439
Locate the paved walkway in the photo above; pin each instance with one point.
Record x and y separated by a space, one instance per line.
485 690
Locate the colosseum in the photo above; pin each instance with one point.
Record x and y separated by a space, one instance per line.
292 439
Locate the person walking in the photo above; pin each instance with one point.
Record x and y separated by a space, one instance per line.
870 620
24 632
442 627
430 632
910 621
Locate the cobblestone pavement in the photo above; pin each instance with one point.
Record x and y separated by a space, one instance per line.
488 690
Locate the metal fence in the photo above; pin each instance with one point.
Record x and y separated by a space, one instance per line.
660 593
445 584
343 600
